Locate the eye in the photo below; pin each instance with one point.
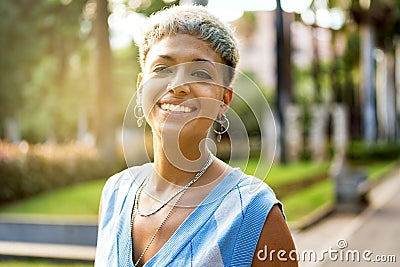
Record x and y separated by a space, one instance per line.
202 74
161 69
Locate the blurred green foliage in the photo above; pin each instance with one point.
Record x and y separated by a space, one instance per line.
361 152
65 200
46 69
125 70
26 170
43 55
38 40
149 7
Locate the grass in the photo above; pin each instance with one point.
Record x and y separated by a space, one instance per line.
377 169
38 263
79 199
308 200
83 199
286 174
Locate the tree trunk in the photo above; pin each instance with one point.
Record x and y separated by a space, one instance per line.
12 129
391 96
352 100
283 69
397 88
316 66
336 86
104 113
385 97
367 82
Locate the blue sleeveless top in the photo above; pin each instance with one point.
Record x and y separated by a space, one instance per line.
222 231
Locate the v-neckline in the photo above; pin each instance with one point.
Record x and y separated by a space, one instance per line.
191 223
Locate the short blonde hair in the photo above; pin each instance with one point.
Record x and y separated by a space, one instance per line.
196 21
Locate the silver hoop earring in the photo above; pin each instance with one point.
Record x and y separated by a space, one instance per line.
139 114
223 127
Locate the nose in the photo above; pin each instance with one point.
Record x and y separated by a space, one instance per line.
178 84
182 89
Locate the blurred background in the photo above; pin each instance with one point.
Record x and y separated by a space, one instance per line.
330 70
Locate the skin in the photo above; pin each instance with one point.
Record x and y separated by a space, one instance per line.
276 236
166 79
157 88
176 87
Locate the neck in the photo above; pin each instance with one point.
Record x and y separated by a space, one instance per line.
177 161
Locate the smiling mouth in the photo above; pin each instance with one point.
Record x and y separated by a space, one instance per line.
176 108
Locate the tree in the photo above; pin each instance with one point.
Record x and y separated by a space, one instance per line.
19 52
38 40
104 119
368 16
283 80
372 15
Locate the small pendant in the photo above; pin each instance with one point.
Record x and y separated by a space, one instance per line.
219 138
139 122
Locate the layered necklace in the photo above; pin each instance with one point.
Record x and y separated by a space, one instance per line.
180 192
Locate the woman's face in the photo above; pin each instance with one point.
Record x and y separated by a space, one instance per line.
182 86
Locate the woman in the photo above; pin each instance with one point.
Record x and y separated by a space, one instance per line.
188 208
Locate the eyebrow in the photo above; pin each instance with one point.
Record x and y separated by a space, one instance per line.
169 58
203 60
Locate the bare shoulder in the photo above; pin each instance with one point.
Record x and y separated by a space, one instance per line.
275 243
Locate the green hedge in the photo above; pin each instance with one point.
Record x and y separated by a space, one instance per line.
26 170
361 152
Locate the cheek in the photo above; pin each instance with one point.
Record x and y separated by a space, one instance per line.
209 107
153 90
211 100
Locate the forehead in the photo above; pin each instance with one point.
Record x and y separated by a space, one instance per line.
181 48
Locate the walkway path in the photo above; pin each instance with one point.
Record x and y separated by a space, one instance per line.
376 229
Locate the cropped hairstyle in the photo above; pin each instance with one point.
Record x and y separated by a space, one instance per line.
196 21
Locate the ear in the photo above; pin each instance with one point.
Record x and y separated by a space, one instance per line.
139 81
227 99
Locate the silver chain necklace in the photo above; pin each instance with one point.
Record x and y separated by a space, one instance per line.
135 207
209 161
157 230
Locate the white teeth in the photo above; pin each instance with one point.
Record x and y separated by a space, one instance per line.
176 108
